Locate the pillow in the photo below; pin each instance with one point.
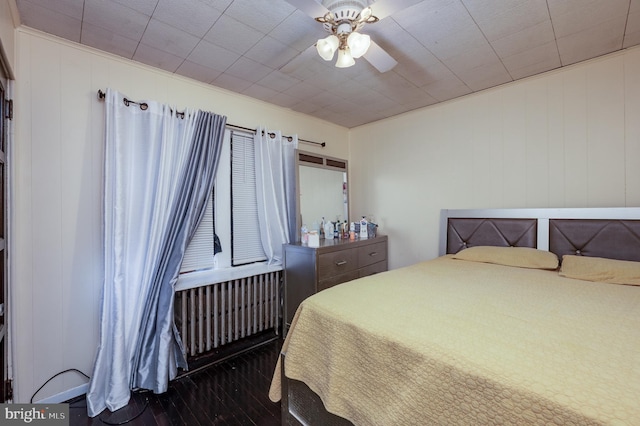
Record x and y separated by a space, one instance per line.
600 269
522 257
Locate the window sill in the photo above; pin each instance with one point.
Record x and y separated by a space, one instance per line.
213 276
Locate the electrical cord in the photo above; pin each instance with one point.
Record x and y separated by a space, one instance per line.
88 378
126 420
53 377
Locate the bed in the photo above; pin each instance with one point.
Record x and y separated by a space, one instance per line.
491 332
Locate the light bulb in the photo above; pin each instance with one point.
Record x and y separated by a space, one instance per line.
358 44
327 46
365 14
345 59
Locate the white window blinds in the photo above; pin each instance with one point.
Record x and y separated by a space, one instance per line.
199 253
246 244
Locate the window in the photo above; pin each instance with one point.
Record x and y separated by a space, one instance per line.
232 211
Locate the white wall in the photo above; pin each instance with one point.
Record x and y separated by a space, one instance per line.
57 263
568 138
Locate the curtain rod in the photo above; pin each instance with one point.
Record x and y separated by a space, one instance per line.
143 106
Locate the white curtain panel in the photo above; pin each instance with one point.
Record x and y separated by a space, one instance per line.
151 210
276 194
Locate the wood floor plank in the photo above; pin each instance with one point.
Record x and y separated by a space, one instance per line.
233 392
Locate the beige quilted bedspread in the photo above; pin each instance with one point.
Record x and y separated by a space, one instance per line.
451 342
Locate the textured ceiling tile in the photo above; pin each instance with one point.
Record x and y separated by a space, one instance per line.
105 40
524 40
598 40
284 100
192 16
471 59
55 23
260 92
279 81
155 57
143 6
446 89
212 56
485 76
632 33
434 41
573 16
530 62
117 18
231 82
233 35
305 107
71 8
303 91
446 31
325 99
249 70
263 15
499 18
169 39
271 53
298 31
197 72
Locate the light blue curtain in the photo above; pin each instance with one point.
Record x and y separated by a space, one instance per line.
159 172
276 192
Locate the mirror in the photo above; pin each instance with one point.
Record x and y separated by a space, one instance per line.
322 190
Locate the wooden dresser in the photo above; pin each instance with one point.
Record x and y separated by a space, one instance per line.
308 270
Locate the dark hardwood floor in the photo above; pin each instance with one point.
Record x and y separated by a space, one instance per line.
230 392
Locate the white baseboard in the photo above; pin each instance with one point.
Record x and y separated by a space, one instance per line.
66 395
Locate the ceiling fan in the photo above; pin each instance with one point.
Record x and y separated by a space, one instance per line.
343 19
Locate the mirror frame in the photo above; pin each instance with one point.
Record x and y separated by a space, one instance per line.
311 159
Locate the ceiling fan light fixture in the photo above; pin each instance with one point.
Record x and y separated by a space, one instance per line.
365 14
358 44
327 47
345 59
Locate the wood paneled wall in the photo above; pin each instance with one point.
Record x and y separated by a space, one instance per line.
567 138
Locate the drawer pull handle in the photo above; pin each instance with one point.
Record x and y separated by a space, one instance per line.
375 253
341 262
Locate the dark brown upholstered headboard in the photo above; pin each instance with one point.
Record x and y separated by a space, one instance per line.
612 233
469 232
613 239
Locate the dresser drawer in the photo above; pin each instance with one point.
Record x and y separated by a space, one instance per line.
336 263
372 269
338 279
372 253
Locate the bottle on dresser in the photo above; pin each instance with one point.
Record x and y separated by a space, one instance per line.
363 228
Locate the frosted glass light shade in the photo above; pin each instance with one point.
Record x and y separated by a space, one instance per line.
358 44
345 59
327 47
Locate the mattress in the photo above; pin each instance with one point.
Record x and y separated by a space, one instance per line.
454 342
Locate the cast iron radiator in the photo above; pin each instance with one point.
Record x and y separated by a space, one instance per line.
217 314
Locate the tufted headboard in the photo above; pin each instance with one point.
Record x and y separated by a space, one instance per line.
463 232
614 239
601 232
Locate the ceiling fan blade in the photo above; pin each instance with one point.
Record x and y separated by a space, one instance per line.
383 8
379 58
310 7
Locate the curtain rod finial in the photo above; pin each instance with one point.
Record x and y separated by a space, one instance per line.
101 94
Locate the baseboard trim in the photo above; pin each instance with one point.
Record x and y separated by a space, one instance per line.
65 396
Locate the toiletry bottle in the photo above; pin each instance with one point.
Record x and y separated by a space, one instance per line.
322 223
328 230
363 228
